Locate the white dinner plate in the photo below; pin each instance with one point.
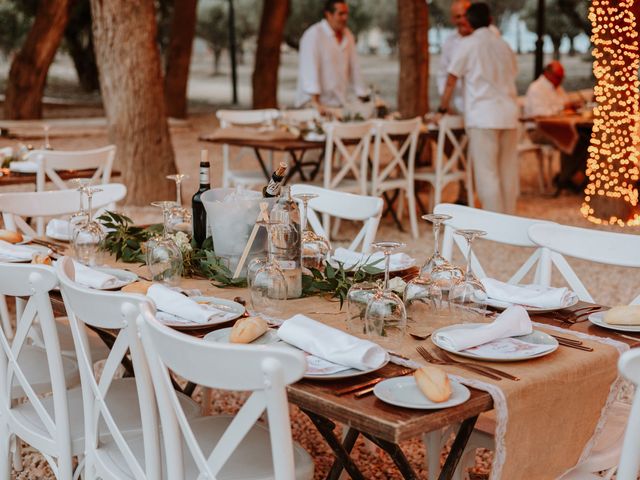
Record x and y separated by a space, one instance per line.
500 305
124 277
404 392
219 303
536 338
598 319
222 336
36 249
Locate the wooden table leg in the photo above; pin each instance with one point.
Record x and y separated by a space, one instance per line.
266 172
348 444
397 455
457 449
296 167
326 428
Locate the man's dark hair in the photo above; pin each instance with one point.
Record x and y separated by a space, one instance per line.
479 15
330 5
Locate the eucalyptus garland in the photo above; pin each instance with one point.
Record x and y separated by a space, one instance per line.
127 242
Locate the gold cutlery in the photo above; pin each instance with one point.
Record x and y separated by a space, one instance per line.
448 358
575 345
354 388
629 337
424 353
567 340
46 243
368 390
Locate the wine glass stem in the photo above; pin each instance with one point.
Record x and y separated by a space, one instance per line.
89 209
436 237
305 204
165 222
269 244
387 265
467 272
179 193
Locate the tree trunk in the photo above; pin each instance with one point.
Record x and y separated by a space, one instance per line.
28 74
557 42
131 84
183 29
413 43
265 71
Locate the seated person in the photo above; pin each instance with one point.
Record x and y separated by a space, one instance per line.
545 96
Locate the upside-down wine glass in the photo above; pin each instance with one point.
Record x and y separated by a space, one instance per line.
468 295
88 236
164 258
358 297
385 319
315 248
80 217
269 285
179 217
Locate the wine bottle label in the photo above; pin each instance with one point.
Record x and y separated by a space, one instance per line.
204 176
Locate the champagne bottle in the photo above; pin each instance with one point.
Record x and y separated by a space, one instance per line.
286 245
199 213
272 189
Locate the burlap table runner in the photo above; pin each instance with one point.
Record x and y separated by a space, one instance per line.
545 423
249 133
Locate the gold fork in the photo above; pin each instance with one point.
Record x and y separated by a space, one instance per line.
431 359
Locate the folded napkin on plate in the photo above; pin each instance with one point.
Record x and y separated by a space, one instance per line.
331 344
93 278
527 295
25 166
398 261
17 252
512 322
182 308
58 228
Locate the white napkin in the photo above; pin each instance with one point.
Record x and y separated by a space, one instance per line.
331 344
93 278
6 152
58 228
527 295
25 166
398 261
512 322
182 309
17 252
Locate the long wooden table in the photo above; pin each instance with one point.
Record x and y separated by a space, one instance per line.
383 424
7 177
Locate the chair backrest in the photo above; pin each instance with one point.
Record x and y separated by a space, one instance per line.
35 282
17 205
265 371
116 312
246 117
596 246
501 228
402 162
629 465
299 116
50 161
346 206
352 159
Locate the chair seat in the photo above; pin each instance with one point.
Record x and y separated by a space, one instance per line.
122 401
250 461
33 362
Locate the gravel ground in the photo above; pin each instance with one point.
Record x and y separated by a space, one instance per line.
610 286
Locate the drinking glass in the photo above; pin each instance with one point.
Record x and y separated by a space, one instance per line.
164 258
252 268
385 318
80 217
435 260
468 295
179 217
315 248
358 297
269 286
88 236
427 305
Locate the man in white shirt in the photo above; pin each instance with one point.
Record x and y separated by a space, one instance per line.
489 69
545 96
449 47
329 61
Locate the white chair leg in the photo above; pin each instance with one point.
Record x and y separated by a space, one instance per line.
5 446
432 442
16 445
335 228
466 462
6 318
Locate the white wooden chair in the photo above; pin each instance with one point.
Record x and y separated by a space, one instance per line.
350 158
51 161
629 465
342 205
586 244
16 206
113 410
398 172
501 228
229 118
224 446
446 168
28 372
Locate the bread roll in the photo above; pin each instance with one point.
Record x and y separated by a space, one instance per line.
141 286
434 383
623 315
246 330
41 259
11 237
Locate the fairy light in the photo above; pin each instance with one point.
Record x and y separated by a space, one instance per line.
612 167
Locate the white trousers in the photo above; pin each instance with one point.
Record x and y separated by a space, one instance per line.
495 167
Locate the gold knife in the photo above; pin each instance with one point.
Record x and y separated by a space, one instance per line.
370 383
